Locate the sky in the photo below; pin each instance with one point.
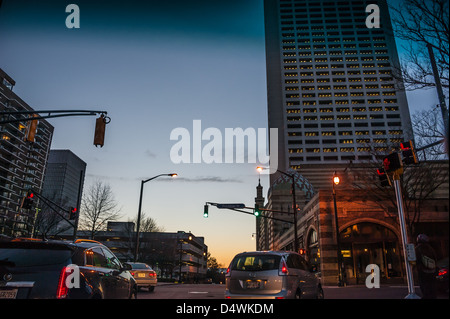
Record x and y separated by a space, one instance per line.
154 66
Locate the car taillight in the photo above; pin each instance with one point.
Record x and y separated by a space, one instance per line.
152 274
228 273
443 272
132 274
283 270
62 289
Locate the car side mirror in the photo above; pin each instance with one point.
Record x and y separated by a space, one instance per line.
126 267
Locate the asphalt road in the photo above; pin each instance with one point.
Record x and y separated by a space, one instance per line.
211 291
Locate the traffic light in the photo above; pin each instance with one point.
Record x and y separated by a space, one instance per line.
205 211
392 163
27 201
302 251
257 211
408 154
99 135
384 179
72 213
31 130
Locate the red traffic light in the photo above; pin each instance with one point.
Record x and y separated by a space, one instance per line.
72 213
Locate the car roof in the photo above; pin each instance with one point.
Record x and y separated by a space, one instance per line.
34 242
265 252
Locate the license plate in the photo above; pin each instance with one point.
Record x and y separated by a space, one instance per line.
141 275
8 294
253 284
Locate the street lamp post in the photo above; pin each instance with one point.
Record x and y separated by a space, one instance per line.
336 182
139 210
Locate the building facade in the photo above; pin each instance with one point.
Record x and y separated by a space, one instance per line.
63 185
169 254
367 222
22 163
333 88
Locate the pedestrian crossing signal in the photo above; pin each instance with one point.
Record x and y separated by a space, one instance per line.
384 179
408 154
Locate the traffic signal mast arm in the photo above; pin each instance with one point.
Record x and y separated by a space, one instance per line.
48 202
230 207
64 113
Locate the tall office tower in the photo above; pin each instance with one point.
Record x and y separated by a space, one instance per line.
63 183
333 92
24 151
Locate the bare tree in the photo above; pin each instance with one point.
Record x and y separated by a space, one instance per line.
429 134
419 23
98 206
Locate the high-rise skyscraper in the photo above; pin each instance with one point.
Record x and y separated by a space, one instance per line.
23 159
333 88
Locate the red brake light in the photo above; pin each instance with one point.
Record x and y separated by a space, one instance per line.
132 274
62 290
227 274
442 272
283 271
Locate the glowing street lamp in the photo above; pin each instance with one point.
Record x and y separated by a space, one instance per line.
336 181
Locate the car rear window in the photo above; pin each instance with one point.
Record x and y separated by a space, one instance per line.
30 257
256 262
140 266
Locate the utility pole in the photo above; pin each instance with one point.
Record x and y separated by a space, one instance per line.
401 217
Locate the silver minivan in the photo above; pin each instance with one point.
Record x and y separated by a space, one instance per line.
271 274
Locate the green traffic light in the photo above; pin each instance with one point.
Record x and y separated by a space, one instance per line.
205 211
257 212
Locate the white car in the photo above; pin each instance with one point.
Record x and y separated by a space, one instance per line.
271 274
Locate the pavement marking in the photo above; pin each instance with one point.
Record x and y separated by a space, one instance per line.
197 292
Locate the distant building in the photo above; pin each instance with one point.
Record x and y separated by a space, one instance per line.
22 163
63 184
64 179
168 253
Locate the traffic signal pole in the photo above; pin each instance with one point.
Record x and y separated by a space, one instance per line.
401 217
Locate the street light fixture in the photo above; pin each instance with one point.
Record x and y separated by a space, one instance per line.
336 181
139 211
294 204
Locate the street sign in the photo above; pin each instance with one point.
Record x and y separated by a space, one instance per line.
410 252
231 206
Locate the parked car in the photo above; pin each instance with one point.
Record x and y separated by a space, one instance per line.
442 275
271 274
41 269
144 275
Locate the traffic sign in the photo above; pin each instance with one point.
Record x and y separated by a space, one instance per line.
230 206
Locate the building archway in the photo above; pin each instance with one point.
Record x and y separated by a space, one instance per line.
370 242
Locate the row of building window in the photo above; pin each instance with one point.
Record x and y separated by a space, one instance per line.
351 133
344 110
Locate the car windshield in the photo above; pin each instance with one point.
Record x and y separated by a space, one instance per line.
256 262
